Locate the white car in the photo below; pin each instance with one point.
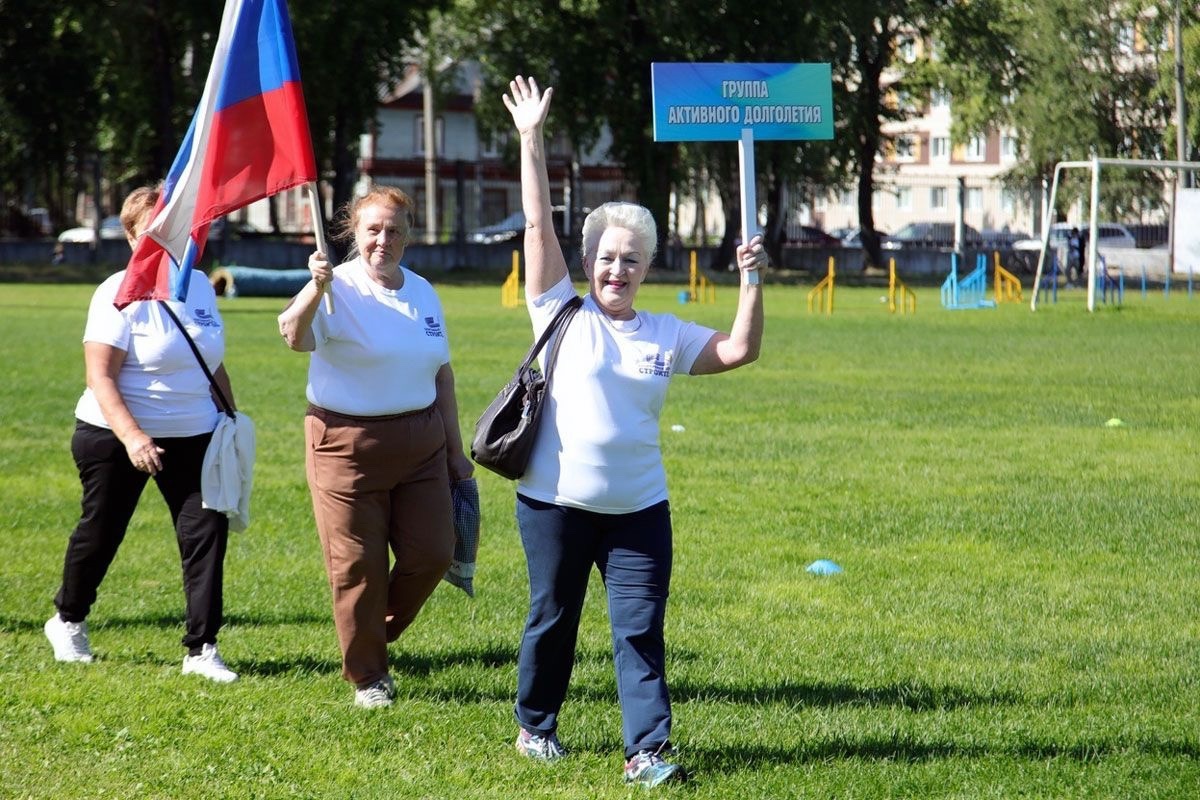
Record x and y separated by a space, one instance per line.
1110 234
110 228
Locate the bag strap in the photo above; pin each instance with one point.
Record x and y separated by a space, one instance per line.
222 403
560 321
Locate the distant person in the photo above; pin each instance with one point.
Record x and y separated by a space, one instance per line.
1073 257
595 493
148 412
382 440
1083 254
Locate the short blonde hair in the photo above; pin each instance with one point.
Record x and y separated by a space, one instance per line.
136 210
619 214
347 223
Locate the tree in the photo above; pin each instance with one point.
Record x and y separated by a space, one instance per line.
868 82
1067 75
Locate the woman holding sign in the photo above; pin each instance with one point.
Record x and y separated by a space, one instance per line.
595 492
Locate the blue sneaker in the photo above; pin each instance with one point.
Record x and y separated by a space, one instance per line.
538 747
649 769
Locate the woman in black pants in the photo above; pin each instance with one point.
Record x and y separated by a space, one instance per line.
147 412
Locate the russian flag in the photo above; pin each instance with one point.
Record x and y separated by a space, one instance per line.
248 139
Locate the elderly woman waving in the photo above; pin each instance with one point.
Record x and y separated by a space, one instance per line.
595 493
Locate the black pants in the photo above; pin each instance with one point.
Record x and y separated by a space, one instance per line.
111 489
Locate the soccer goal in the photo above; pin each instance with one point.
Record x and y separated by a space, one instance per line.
1140 189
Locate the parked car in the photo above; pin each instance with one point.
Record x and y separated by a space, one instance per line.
1110 234
810 236
110 228
853 239
930 234
506 229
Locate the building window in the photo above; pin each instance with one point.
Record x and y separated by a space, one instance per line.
939 98
439 135
906 148
1008 202
904 198
939 148
976 149
937 198
493 146
974 198
908 49
1008 148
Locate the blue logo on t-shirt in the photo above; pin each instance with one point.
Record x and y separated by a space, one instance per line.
204 318
433 327
658 364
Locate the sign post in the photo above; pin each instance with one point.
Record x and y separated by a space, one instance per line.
713 102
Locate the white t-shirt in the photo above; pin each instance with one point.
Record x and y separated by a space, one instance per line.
160 381
598 443
380 351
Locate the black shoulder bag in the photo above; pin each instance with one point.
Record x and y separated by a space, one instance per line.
222 402
506 430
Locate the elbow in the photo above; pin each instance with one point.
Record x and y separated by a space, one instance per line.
291 336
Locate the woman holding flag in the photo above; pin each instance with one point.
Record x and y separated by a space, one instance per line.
147 412
381 434
595 492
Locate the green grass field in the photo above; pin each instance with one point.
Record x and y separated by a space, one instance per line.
1016 618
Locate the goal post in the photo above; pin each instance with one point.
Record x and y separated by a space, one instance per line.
1095 167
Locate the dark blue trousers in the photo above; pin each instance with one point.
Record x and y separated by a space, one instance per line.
633 554
111 489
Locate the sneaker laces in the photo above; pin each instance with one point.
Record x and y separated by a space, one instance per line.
547 748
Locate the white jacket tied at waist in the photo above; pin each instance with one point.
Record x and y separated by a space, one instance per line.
228 472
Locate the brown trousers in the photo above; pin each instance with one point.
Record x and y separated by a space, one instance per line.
378 483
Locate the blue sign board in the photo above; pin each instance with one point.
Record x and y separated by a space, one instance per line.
711 102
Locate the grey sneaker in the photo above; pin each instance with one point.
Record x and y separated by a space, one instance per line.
209 665
69 640
538 747
375 695
649 769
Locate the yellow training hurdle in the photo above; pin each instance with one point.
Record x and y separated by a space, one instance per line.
700 288
1007 285
908 298
823 292
510 291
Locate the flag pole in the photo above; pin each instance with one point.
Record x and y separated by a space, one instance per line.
318 223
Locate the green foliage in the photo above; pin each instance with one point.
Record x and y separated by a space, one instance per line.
1016 617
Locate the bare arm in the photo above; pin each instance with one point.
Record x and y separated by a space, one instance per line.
726 351
295 322
459 465
103 364
544 262
222 379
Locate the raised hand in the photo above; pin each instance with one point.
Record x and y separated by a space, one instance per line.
527 104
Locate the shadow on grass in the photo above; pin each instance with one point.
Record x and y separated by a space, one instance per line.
101 621
733 758
910 696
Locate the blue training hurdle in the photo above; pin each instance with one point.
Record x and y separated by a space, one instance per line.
971 291
1050 280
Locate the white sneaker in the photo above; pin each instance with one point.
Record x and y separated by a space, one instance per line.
376 695
209 664
69 640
